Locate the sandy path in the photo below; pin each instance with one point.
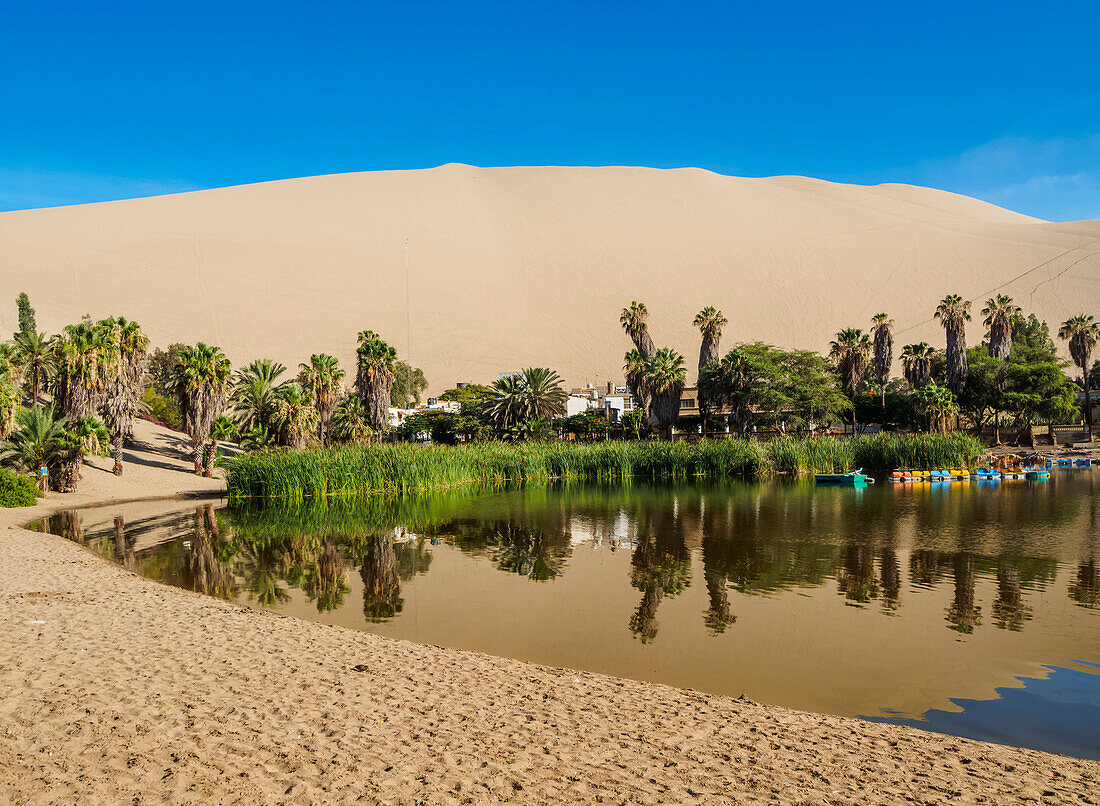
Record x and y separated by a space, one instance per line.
116 689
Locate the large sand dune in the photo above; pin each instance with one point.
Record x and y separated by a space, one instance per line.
512 267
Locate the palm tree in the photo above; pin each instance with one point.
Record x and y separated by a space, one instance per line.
1082 332
374 378
34 443
508 407
85 356
544 393
77 439
883 334
35 354
295 415
954 312
125 387
252 397
202 377
998 313
221 430
851 353
635 369
710 322
916 364
349 420
633 320
323 378
938 404
664 380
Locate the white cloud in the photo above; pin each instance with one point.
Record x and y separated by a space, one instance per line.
1056 179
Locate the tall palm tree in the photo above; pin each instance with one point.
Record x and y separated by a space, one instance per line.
1082 332
374 378
916 364
998 313
710 322
35 354
295 415
882 331
125 386
664 379
202 377
323 378
252 396
953 313
85 357
633 320
851 353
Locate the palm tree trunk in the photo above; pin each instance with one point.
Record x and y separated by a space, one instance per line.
211 457
198 457
116 454
1088 401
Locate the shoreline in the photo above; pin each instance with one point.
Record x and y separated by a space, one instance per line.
210 701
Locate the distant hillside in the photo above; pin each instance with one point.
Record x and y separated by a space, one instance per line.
511 267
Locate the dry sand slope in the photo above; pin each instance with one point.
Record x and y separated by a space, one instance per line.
519 266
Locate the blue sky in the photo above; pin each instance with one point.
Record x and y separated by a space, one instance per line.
1000 100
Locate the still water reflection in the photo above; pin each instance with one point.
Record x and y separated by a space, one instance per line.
890 602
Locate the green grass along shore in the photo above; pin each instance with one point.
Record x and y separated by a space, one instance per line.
350 471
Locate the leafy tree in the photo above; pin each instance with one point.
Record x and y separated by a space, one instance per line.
413 427
746 380
587 425
1082 332
937 404
409 384
953 313
470 392
1031 332
27 323
633 423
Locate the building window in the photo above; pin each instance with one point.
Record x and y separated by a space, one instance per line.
687 403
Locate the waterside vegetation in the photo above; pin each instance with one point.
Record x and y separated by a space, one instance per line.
394 469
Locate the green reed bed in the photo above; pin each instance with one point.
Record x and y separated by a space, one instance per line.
358 470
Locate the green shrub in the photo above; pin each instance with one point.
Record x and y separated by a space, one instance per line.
16 490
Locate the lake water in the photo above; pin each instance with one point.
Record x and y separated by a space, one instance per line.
965 608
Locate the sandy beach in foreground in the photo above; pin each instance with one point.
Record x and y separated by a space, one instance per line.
114 688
